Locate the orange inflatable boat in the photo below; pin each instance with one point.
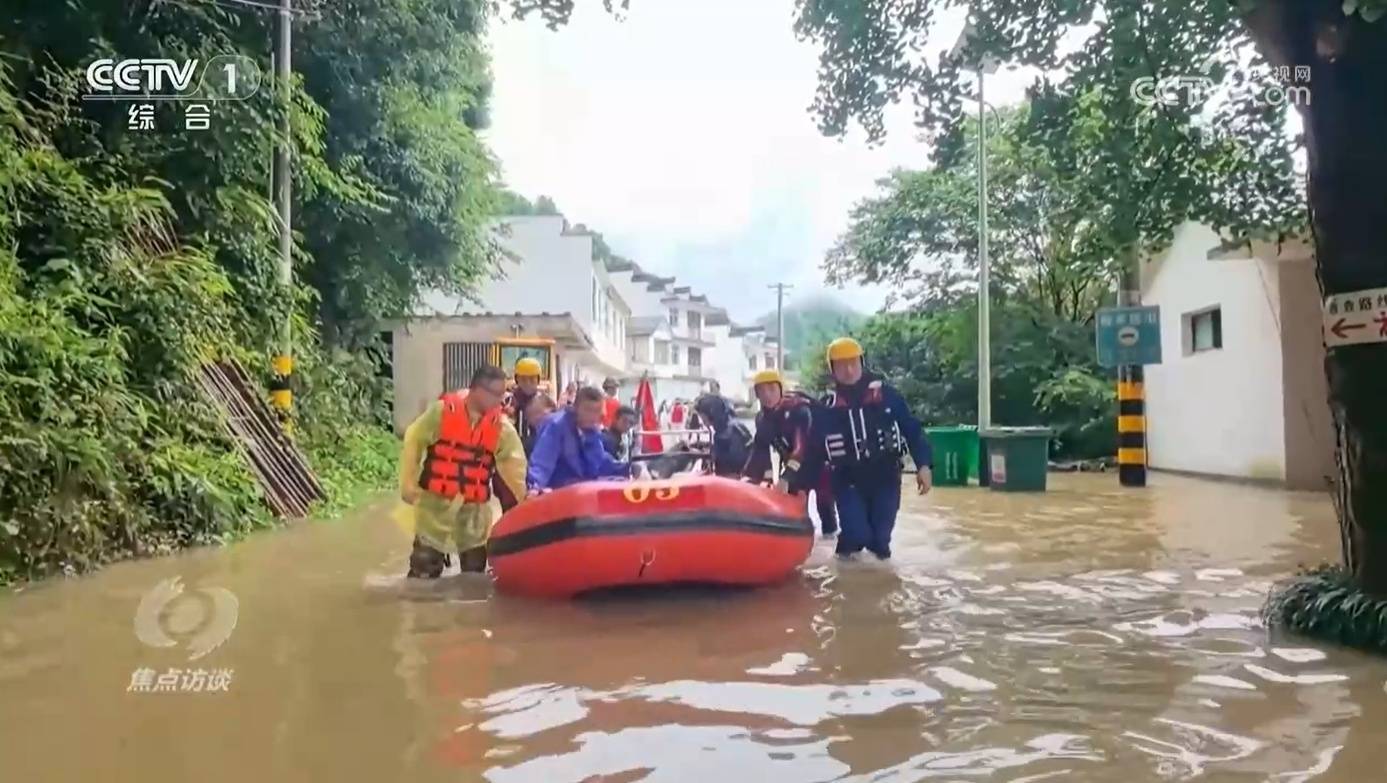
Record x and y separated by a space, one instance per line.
699 530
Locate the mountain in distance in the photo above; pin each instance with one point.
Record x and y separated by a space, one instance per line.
812 321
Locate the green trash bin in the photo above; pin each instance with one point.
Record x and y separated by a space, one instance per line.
1017 458
955 454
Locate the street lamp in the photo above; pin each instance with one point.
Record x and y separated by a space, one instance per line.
986 65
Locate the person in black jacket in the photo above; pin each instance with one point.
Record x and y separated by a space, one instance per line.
615 437
731 438
868 429
786 425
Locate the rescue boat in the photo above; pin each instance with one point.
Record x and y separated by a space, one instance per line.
686 530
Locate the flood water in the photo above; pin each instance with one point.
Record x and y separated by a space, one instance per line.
1088 633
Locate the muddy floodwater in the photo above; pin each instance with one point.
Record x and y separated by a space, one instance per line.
1087 634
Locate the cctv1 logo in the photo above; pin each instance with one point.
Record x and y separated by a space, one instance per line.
226 77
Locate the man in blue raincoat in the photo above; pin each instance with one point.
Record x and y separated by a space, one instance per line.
868 429
569 448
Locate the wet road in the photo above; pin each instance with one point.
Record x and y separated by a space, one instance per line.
1085 634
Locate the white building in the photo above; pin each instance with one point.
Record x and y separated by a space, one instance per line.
609 319
1241 390
680 341
553 271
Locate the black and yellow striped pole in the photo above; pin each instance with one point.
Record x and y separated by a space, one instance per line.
1131 426
281 393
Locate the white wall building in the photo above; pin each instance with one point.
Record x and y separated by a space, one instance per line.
553 288
553 271
609 319
1241 390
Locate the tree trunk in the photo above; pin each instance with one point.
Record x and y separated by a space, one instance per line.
1346 140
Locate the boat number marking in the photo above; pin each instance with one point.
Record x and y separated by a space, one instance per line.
639 493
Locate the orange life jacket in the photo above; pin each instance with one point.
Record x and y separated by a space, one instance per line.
463 459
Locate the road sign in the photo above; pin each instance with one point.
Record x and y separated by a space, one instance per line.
1129 335
1355 317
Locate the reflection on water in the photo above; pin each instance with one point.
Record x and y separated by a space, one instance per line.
1088 633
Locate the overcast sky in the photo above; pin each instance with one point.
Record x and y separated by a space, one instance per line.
683 134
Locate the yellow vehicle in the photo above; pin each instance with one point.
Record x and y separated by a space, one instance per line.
513 349
460 360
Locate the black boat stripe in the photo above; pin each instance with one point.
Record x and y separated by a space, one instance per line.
590 527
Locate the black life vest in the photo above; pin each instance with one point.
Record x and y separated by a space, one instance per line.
781 425
861 432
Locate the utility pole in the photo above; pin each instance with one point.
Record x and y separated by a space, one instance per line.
780 324
281 391
983 66
984 273
1131 392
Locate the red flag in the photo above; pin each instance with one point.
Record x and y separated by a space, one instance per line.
650 419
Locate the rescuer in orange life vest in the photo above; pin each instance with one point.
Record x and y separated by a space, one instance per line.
527 375
457 456
786 425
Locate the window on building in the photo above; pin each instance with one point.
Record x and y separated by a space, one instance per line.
751 362
673 317
695 324
662 352
674 354
695 359
770 361
1204 330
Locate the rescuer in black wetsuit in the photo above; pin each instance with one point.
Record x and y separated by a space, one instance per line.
786 425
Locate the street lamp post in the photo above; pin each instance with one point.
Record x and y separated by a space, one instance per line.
984 66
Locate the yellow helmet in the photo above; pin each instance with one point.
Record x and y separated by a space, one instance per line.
767 376
528 367
844 348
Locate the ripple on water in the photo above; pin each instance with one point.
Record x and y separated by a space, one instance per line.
1183 623
1221 681
984 761
962 681
801 705
1298 654
1297 679
1217 574
665 754
530 709
1194 747
789 663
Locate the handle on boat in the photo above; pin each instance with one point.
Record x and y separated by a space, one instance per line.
663 454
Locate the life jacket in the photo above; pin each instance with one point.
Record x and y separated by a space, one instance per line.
463 459
863 431
780 422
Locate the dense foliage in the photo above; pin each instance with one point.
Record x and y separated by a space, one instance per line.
1148 167
128 258
1326 602
1049 276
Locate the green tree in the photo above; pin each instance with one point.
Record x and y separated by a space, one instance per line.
1158 167
127 259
